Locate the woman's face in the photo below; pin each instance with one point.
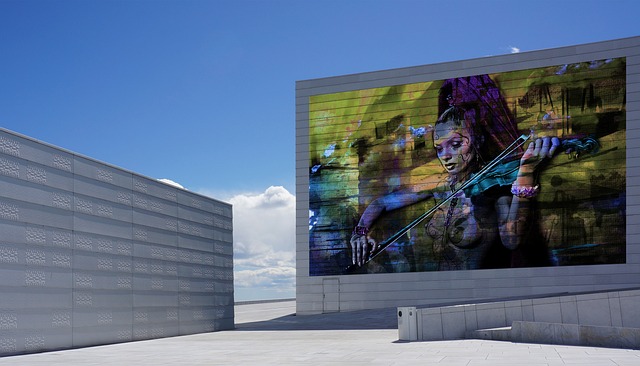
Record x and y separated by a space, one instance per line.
454 147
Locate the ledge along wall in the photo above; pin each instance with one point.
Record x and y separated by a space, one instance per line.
93 254
319 290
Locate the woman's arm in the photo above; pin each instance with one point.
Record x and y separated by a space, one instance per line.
361 243
514 212
390 202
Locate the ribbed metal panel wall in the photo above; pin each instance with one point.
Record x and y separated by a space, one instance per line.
92 254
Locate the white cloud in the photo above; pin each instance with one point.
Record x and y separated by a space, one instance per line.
271 277
514 49
264 244
170 182
273 197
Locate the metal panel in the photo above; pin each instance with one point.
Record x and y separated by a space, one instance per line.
196 243
97 207
148 234
192 200
25 212
32 297
153 204
101 334
102 190
154 299
28 171
155 220
199 216
103 173
102 226
156 282
89 299
29 341
154 188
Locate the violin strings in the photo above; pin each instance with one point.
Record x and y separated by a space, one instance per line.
508 151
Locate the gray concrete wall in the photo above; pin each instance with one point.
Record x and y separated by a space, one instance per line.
353 292
606 319
606 309
93 254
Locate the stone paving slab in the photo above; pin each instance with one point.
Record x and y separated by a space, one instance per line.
282 341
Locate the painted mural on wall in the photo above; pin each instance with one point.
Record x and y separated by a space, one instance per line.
515 169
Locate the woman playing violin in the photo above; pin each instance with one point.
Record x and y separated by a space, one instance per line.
472 231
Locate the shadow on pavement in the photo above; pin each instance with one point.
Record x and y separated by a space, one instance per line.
352 320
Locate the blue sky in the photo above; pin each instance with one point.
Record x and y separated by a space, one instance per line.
203 92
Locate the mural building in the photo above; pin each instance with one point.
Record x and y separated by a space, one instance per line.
513 169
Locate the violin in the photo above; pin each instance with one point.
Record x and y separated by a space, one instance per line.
495 173
505 173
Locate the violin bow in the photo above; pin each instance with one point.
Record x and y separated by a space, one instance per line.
393 238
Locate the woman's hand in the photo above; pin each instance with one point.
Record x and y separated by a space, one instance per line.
538 150
361 247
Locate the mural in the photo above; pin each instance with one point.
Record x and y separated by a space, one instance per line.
516 169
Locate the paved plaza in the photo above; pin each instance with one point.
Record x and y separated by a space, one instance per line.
270 334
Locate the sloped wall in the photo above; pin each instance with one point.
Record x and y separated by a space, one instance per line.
93 254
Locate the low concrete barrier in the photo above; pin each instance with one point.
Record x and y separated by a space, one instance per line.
615 313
